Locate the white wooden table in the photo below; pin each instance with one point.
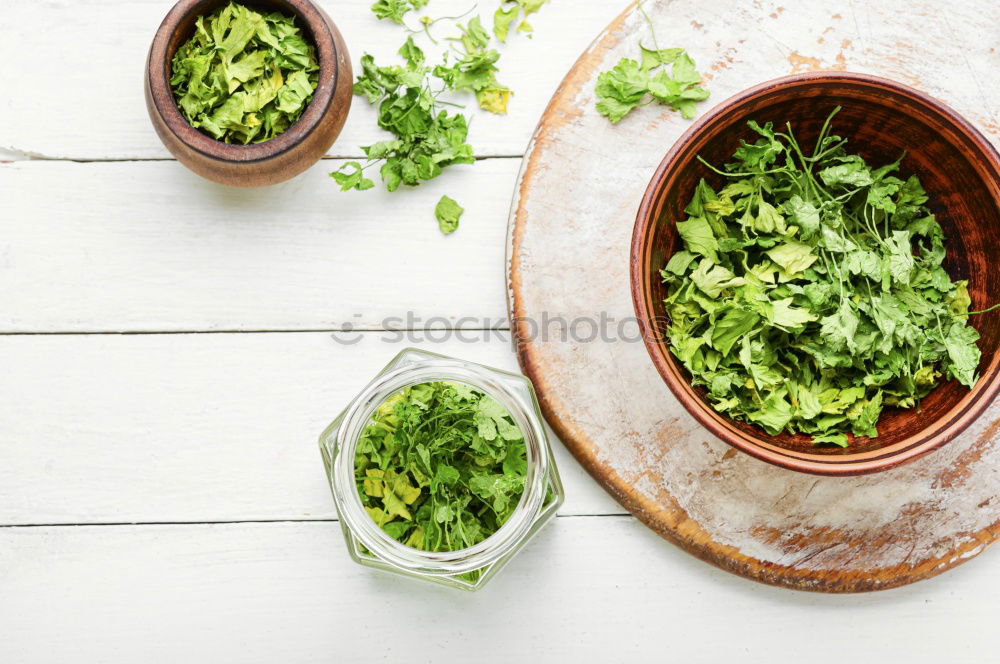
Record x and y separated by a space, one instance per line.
166 364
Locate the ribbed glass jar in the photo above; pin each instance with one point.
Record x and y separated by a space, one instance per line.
469 568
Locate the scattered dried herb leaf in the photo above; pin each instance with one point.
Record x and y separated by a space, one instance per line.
395 10
475 69
508 13
448 212
634 83
425 137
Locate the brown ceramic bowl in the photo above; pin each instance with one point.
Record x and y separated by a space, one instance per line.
961 173
280 158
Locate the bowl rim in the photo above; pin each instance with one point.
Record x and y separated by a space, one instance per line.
952 423
316 23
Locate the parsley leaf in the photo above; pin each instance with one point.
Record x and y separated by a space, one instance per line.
963 353
699 237
426 138
621 89
627 85
395 10
509 12
448 212
351 176
475 69
632 83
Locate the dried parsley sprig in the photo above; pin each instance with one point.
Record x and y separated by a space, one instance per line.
810 293
426 138
244 77
396 10
441 466
634 83
475 69
510 12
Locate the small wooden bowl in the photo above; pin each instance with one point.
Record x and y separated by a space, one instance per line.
960 171
280 158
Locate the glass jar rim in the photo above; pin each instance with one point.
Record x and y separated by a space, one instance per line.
500 543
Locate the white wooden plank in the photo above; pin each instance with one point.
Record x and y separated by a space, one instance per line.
83 98
149 246
178 427
585 590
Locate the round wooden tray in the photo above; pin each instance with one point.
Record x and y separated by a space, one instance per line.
570 306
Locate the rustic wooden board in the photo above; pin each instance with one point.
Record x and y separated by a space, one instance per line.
569 232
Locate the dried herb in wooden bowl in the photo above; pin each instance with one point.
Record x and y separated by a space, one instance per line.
810 293
244 77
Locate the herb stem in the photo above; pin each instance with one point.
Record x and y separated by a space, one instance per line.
826 128
981 311
737 175
652 30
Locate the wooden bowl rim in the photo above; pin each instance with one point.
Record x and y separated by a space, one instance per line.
158 66
937 434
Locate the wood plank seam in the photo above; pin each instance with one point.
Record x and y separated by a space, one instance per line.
11 154
127 524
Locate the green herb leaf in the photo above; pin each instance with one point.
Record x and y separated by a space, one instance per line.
731 328
448 212
963 353
803 214
699 238
679 262
713 279
629 83
351 176
395 10
651 59
426 139
509 12
475 69
794 257
788 316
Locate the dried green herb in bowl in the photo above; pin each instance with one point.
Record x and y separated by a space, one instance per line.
441 466
810 293
245 76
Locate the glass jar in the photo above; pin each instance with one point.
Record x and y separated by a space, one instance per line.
471 568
